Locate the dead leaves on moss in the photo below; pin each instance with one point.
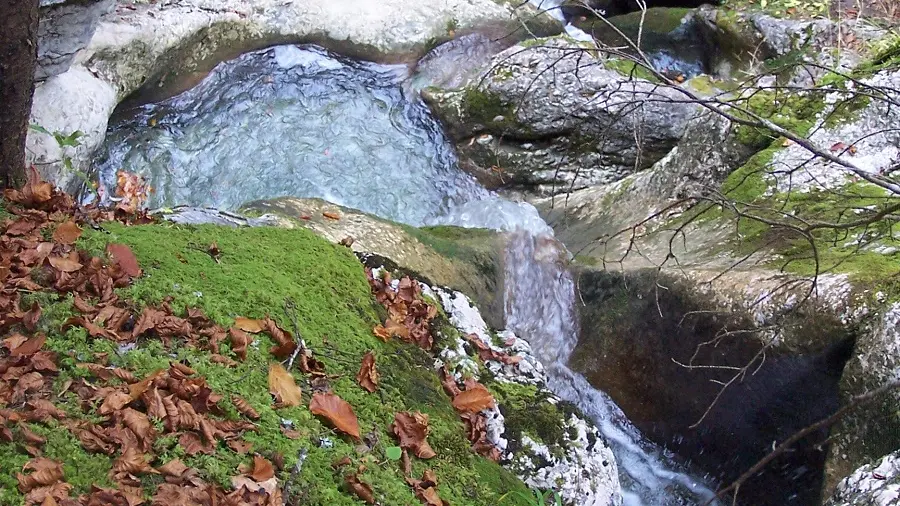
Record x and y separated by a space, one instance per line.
367 377
337 411
411 429
283 387
409 317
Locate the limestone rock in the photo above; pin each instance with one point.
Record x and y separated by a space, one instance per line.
74 101
876 484
66 27
549 113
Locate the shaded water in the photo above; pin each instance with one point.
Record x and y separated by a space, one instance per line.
292 121
299 121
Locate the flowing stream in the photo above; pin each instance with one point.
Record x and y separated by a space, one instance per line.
296 120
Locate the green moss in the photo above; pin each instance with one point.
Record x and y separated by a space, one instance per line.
793 112
526 411
629 69
484 107
258 269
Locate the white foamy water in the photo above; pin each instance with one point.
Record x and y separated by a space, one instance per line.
540 307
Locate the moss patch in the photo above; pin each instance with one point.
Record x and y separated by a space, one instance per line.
258 269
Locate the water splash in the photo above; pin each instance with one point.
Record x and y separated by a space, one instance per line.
293 121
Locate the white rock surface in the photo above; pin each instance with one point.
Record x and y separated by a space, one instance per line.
876 484
582 468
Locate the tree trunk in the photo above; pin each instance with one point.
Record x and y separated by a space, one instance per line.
18 56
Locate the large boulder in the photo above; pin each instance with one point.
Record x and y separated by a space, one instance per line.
172 45
66 27
698 269
548 115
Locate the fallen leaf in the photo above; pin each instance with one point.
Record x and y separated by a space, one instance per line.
133 461
67 233
244 407
360 488
45 472
283 387
239 342
474 399
123 256
381 333
411 430
331 216
29 347
262 469
174 468
240 446
249 325
368 374
64 264
337 411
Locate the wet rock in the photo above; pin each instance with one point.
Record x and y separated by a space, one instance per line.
567 120
88 102
876 484
66 27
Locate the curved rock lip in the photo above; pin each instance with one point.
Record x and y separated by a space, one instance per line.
164 49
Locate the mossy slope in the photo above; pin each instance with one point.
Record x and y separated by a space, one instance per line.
257 270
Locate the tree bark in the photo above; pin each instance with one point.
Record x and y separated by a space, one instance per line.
18 57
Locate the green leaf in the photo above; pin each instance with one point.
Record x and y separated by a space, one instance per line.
393 452
70 140
39 128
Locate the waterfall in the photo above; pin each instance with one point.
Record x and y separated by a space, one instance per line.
540 307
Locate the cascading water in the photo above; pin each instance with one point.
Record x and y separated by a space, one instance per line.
299 121
540 307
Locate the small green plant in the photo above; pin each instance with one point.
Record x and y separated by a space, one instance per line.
538 497
71 140
393 452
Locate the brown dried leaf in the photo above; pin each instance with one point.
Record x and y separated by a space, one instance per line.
244 407
249 325
360 488
174 468
115 402
412 430
474 399
283 387
122 255
337 411
262 469
63 264
133 461
29 347
240 446
67 233
239 342
368 374
381 333
45 472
